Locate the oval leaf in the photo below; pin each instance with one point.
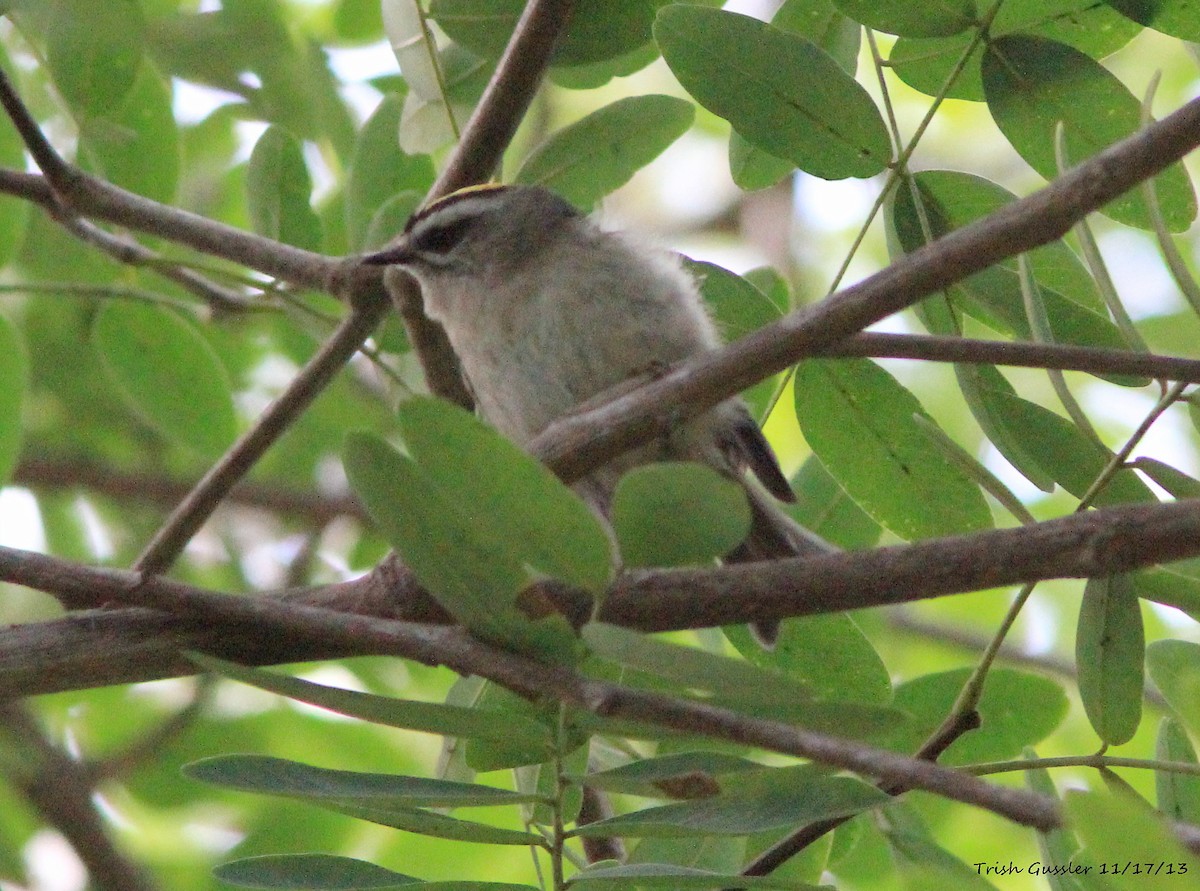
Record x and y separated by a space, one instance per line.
380 170
1174 667
1032 85
279 191
136 145
1109 656
932 18
528 510
94 49
678 514
320 872
600 153
859 421
167 373
777 89
771 799
1018 709
1178 793
291 779
453 553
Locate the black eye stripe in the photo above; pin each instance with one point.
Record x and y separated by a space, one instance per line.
442 239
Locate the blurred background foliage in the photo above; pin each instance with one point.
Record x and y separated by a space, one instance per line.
291 117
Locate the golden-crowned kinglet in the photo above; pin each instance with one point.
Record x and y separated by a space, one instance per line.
546 310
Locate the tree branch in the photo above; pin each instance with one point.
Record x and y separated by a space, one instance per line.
487 134
1059 356
458 650
61 789
121 646
579 443
57 473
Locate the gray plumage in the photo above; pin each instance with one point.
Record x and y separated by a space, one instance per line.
546 310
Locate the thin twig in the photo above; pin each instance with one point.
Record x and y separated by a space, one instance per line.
187 518
1023 354
59 472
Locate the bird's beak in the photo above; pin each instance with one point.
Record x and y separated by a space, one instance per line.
396 254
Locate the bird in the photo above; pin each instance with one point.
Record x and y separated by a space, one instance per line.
546 309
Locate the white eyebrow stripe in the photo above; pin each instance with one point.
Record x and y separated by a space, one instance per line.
458 205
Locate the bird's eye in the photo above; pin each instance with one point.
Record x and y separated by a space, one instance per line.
443 239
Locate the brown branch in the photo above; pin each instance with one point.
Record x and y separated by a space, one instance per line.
61 789
456 649
51 473
579 443
120 646
1060 356
507 96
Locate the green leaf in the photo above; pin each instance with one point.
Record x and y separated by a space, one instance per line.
1178 793
739 308
427 717
924 862
1018 709
167 373
528 510
678 514
1117 831
325 872
820 22
752 168
601 152
1033 84
1174 17
1058 847
829 652
1046 446
136 144
908 19
815 20
693 668
951 200
14 373
1177 483
435 825
277 776
599 29
454 553
824 508
773 798
1174 666
94 50
279 191
1092 28
519 749
669 875
777 89
380 171
1109 657
859 421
